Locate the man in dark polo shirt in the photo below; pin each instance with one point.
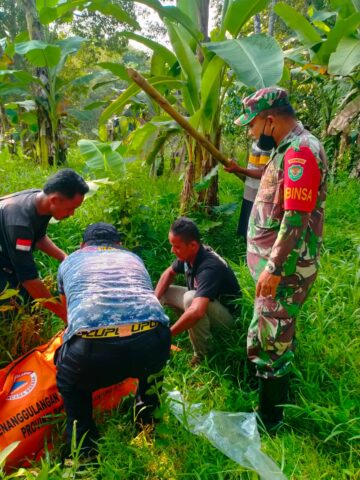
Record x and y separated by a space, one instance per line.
24 217
208 300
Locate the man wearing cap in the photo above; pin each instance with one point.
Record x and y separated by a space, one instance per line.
284 239
116 329
24 217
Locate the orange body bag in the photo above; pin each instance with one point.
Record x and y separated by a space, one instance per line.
29 397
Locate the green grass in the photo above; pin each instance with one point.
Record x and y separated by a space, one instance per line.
321 438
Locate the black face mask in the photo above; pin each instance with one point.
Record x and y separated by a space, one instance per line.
266 142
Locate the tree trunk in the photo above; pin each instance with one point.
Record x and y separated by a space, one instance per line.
161 164
200 163
272 18
5 133
257 23
209 196
48 148
158 165
306 4
203 21
355 171
187 194
203 12
181 164
334 158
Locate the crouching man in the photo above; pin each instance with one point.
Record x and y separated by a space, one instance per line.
116 329
208 300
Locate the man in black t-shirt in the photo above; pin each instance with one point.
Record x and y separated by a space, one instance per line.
24 217
208 300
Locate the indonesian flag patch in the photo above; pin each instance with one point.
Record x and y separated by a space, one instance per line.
23 244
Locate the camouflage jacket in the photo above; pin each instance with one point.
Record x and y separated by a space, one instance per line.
286 223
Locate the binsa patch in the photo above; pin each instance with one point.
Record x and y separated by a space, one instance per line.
301 179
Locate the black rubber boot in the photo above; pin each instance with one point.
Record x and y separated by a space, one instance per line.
272 393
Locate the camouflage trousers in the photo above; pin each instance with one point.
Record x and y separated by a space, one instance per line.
271 334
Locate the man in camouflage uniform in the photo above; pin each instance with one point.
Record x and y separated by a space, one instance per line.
284 239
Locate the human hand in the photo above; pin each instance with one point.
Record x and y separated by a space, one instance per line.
232 167
267 284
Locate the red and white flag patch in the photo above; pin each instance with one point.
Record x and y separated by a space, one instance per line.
23 244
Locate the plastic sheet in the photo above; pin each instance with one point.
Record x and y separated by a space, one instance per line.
234 434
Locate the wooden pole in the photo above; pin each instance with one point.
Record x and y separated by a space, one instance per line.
165 105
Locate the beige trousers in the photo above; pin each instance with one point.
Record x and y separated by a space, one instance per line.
200 334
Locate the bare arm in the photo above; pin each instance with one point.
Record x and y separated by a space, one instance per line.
48 246
37 289
164 282
247 172
188 319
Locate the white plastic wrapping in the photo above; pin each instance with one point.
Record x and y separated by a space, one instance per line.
234 434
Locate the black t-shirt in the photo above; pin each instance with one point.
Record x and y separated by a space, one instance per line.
21 227
210 276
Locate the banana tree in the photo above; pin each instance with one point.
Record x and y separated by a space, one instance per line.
332 45
27 112
48 60
195 77
22 119
332 48
21 83
16 108
52 56
108 158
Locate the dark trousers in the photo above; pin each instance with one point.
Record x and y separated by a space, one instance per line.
245 211
85 365
8 279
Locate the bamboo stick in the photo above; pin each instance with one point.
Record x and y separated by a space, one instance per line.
165 105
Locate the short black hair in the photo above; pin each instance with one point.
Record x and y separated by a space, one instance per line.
185 228
101 233
281 111
66 182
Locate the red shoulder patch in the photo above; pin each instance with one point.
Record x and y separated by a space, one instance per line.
301 180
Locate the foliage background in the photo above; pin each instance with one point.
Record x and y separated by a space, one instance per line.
320 438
